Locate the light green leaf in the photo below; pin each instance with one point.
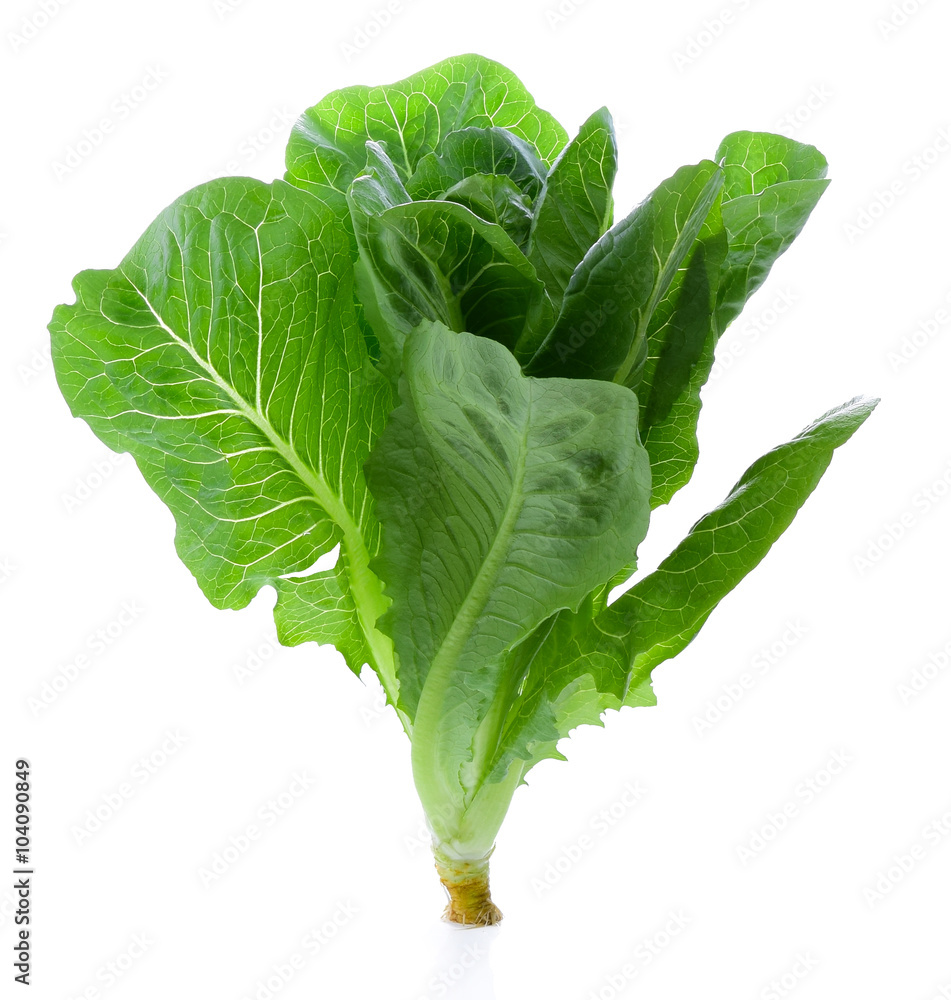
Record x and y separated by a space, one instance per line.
320 608
601 331
379 186
503 499
411 118
225 354
576 207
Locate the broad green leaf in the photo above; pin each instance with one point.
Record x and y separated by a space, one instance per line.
224 353
478 151
410 119
436 261
576 207
503 499
601 331
578 665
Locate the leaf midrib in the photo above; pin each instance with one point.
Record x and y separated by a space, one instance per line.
664 280
473 605
373 603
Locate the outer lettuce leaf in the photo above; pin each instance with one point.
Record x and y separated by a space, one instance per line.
601 331
665 610
771 185
503 499
320 607
578 665
681 339
655 330
225 354
576 207
410 118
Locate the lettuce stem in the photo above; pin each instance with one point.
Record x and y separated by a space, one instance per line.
467 886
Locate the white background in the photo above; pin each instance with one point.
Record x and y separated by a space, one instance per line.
83 537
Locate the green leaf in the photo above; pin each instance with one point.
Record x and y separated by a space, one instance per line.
436 261
577 665
503 499
225 354
436 235
665 610
681 340
379 186
566 674
771 185
576 207
498 200
602 328
473 151
410 119
320 607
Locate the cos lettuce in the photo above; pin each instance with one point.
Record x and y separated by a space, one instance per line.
431 345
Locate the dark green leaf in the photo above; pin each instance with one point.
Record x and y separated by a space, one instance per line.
577 665
436 261
601 331
664 611
497 200
771 185
576 207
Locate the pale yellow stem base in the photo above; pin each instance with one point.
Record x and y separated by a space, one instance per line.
467 885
